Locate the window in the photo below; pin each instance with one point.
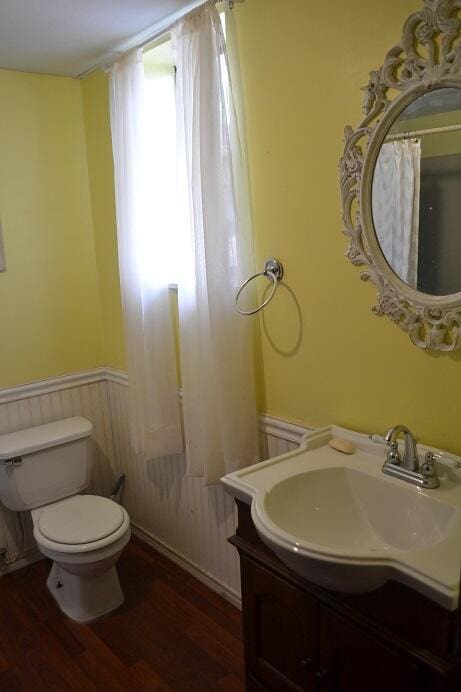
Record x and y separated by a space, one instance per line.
161 163
160 144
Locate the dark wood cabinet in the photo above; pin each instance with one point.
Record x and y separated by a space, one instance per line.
299 637
280 630
351 660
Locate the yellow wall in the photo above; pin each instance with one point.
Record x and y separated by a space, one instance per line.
50 320
101 179
325 356
303 64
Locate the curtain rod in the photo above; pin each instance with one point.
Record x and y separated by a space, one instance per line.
419 133
143 39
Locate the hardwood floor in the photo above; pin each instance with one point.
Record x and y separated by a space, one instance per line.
172 633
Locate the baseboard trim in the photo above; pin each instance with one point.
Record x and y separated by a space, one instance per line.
188 566
29 557
35 555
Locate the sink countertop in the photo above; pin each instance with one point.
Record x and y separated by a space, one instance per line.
337 520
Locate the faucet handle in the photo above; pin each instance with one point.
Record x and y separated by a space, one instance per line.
393 455
428 467
444 458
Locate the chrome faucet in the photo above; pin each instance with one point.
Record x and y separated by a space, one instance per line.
408 468
410 457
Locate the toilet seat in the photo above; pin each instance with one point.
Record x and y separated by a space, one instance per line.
80 524
80 519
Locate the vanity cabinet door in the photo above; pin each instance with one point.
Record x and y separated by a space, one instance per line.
352 661
279 623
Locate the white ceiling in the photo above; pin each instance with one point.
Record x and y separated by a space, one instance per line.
70 37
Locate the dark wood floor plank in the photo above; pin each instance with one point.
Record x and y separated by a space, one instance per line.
4 665
53 668
172 634
9 682
68 640
97 671
163 643
205 599
232 684
100 662
204 631
145 678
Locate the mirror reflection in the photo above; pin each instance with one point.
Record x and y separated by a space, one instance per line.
416 194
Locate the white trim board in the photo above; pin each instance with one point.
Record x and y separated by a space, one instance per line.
52 384
55 384
28 558
277 427
234 598
187 566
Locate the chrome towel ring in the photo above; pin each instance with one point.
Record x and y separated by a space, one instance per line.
273 270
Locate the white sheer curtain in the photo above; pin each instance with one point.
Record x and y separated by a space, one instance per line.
395 201
153 389
219 407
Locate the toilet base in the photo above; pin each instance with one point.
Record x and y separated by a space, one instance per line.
85 598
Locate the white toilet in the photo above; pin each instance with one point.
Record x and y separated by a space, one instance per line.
43 469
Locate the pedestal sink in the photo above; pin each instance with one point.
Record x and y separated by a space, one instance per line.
338 521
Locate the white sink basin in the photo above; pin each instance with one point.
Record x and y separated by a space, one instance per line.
349 511
338 521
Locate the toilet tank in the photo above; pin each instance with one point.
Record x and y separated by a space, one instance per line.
44 464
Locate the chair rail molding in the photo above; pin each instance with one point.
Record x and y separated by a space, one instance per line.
271 425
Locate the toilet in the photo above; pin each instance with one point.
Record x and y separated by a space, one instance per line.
45 469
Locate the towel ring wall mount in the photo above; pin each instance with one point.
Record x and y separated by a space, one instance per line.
273 270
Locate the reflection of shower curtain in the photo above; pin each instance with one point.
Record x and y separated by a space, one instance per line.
395 201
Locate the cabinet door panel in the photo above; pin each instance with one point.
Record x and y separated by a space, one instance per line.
279 624
353 661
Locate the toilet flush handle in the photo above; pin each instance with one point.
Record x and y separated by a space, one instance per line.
15 461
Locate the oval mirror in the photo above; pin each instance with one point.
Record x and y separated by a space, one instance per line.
416 193
401 179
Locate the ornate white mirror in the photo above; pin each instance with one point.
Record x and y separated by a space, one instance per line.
401 179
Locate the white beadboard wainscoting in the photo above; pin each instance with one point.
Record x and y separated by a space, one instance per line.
177 514
83 394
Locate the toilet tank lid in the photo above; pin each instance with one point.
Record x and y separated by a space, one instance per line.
43 436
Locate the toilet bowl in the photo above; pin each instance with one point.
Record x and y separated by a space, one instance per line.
84 535
45 469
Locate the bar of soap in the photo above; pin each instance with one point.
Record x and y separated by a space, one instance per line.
342 445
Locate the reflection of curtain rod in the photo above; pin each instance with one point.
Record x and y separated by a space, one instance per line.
419 133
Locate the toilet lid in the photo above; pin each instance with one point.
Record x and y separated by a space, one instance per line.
80 519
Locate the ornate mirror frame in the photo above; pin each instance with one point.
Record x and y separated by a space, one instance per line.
428 57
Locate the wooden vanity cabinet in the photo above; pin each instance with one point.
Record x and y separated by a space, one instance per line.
352 660
299 637
280 635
